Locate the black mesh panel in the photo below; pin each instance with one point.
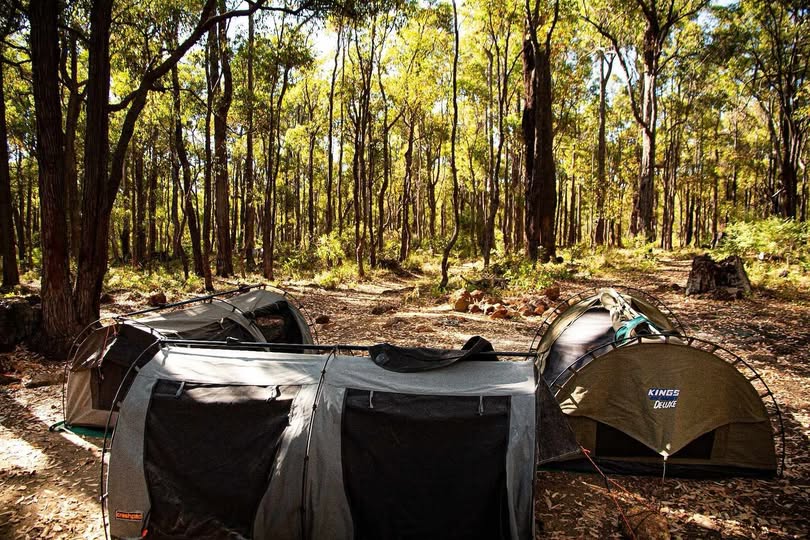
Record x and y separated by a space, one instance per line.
611 442
278 324
132 344
209 451
422 467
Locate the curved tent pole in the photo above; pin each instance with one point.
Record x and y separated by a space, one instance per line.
304 311
576 298
189 301
305 469
301 347
235 309
111 436
730 358
296 303
71 358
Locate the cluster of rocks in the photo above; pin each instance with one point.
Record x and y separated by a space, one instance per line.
479 301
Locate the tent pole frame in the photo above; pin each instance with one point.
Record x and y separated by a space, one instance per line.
726 355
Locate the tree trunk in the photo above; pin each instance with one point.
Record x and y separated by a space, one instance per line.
329 157
139 253
272 167
405 232
96 200
58 317
72 177
152 195
453 169
201 267
791 144
222 200
601 153
126 232
19 212
312 236
249 219
540 170
11 275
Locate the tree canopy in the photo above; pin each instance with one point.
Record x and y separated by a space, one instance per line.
233 137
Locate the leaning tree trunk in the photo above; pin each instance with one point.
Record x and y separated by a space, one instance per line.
201 268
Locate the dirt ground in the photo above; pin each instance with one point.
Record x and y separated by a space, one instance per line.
49 482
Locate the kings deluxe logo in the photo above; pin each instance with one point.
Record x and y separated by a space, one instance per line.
663 398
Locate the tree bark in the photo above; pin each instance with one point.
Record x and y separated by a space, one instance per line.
139 256
453 169
605 68
405 230
58 317
72 112
222 199
329 138
250 211
98 194
11 274
540 169
201 268
212 71
272 167
649 112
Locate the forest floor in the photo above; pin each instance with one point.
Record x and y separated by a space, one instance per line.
49 481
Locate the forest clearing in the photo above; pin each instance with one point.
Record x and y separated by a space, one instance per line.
50 480
553 176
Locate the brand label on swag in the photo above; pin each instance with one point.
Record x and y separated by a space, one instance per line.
664 398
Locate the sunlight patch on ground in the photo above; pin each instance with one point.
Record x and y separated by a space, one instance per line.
19 454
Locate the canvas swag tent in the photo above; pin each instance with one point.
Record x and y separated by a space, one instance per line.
410 443
106 359
644 399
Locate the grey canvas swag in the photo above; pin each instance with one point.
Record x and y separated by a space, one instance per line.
105 358
328 446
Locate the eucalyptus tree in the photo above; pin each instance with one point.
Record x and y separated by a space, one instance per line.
767 42
500 22
104 159
58 315
11 274
539 174
279 54
453 168
615 20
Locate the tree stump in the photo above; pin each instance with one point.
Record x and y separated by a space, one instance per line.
726 279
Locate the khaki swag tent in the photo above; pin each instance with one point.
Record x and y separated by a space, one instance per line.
110 355
407 443
643 398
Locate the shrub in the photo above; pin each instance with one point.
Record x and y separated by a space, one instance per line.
772 236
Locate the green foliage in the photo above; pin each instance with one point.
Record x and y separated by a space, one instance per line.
329 249
525 275
300 264
339 275
162 278
772 237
